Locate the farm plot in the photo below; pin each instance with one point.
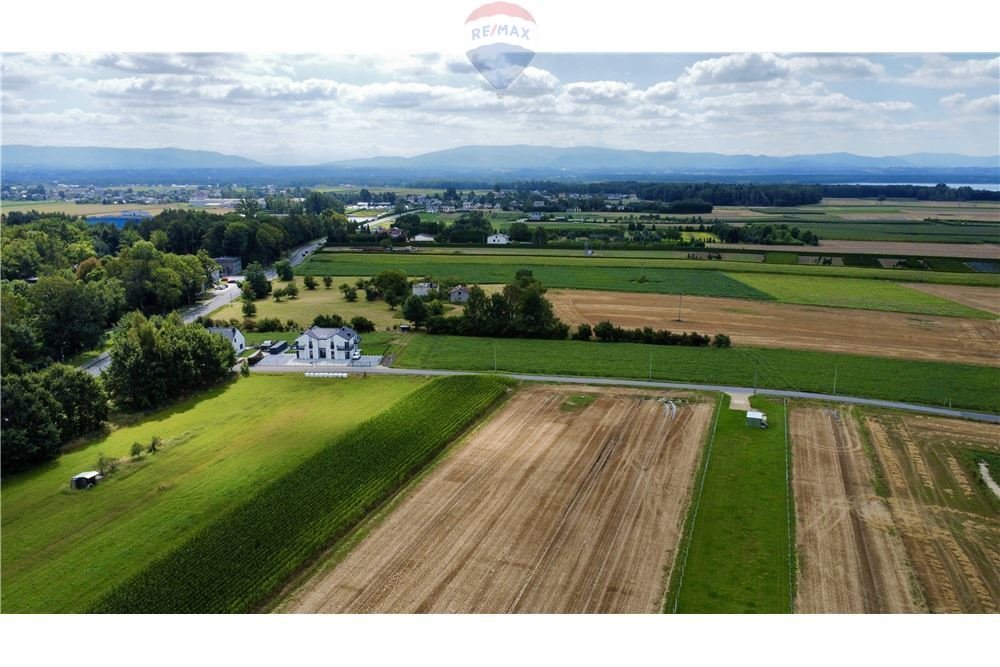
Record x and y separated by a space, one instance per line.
737 552
569 500
768 324
244 556
854 293
982 298
946 516
62 550
850 559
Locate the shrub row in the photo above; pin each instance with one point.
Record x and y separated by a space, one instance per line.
234 564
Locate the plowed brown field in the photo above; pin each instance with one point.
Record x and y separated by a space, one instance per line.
756 323
947 520
552 506
850 560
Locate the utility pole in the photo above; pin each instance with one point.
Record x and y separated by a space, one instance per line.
680 304
755 377
650 365
494 357
835 369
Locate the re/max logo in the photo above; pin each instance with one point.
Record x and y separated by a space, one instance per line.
500 30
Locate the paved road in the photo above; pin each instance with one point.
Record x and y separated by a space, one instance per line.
572 379
220 299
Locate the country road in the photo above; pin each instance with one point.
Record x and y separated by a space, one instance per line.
221 298
574 379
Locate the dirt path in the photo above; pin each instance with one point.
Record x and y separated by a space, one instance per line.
949 525
547 508
850 561
755 323
983 298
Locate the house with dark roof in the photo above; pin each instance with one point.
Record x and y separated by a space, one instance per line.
328 344
233 335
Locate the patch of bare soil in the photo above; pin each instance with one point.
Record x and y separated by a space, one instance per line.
947 522
850 559
549 507
766 324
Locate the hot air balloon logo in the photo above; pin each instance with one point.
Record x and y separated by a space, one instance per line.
499 37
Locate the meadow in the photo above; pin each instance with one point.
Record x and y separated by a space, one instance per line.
246 555
62 550
737 555
310 303
930 383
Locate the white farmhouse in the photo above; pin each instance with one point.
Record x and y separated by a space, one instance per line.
497 239
423 289
233 335
325 344
458 294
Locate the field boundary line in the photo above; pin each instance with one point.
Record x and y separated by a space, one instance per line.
697 501
792 560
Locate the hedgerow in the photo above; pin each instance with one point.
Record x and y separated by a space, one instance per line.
234 564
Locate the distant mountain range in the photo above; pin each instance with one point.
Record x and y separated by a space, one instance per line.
24 163
19 157
587 159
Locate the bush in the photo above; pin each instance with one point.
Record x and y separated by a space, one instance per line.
721 340
249 308
310 282
362 324
284 270
136 451
583 332
329 321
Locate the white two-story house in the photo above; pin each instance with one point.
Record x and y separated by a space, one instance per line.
324 344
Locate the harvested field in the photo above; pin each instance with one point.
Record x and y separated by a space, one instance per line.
558 504
850 559
983 298
947 519
768 324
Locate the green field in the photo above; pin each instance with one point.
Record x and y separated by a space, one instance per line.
800 284
855 293
63 550
930 383
736 554
245 556
492 264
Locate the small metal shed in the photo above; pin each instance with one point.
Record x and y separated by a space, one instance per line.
756 419
85 480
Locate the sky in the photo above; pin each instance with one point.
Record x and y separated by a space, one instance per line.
312 108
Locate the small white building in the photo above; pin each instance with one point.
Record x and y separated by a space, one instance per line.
756 419
233 335
423 238
458 294
497 239
325 344
423 289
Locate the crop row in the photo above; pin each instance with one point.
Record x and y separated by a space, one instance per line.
241 559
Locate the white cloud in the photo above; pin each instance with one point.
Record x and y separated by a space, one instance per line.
938 71
989 104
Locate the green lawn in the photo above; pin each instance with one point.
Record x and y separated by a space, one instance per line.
855 293
736 553
931 383
63 550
